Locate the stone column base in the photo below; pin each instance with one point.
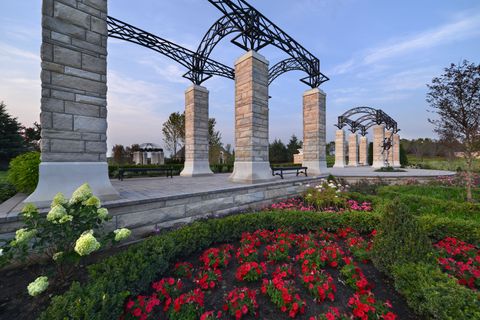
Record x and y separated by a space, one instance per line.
66 177
196 169
251 172
316 168
378 164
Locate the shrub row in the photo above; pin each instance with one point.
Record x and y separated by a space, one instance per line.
130 272
433 294
113 169
23 172
7 191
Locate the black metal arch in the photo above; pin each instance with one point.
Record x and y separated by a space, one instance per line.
257 31
187 58
367 117
287 65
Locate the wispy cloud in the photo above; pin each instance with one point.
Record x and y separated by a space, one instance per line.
10 52
463 27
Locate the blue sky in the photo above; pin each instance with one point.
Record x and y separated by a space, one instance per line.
377 53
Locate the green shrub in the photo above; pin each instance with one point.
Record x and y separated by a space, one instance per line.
433 294
438 228
7 190
130 272
23 172
400 238
66 234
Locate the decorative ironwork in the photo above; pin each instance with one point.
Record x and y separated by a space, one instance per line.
287 65
367 117
257 31
200 68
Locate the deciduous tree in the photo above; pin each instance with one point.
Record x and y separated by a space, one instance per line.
455 98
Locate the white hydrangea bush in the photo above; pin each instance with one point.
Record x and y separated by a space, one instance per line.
72 229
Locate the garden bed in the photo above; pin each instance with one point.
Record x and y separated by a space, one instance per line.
282 275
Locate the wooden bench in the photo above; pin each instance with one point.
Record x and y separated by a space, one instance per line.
121 171
280 171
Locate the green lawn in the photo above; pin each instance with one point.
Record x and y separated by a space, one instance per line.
440 163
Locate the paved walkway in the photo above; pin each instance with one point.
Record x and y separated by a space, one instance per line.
138 189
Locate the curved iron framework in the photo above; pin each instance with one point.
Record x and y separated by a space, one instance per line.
257 31
287 65
367 117
187 58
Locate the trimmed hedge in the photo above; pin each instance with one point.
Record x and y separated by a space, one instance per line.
130 272
23 171
7 191
433 294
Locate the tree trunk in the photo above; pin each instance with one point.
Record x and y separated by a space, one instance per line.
469 177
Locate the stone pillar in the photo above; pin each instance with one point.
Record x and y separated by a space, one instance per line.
378 139
353 150
363 151
340 156
396 150
137 157
314 131
144 158
73 106
157 158
251 120
196 133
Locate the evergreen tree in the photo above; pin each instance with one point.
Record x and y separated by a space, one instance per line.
278 152
32 136
11 140
292 147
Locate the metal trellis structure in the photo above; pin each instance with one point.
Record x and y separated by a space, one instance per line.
363 118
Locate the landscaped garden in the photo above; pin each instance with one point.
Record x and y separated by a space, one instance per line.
337 252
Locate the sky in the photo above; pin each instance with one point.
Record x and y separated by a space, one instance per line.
377 53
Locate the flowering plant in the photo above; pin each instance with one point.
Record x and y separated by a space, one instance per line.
210 315
364 306
216 257
283 294
327 195
320 285
183 270
188 306
296 204
284 271
207 279
354 277
247 253
241 301
332 314
277 252
71 230
359 247
140 307
250 271
167 289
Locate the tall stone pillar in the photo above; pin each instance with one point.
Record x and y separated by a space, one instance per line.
73 106
144 158
314 131
251 120
137 157
353 150
389 135
196 133
396 150
340 156
363 151
378 139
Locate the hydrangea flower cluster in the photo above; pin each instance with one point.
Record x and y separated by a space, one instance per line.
38 286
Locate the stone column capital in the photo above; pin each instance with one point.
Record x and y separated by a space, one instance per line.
252 54
196 87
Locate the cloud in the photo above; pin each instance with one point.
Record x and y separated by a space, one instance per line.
463 27
10 52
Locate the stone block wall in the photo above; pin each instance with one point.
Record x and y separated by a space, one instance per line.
363 151
74 89
353 150
340 148
378 139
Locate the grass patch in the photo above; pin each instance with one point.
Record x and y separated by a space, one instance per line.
439 163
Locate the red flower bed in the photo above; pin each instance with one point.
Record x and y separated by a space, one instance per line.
461 260
291 277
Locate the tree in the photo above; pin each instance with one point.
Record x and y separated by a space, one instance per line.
118 154
455 98
11 140
214 141
292 147
32 136
174 132
278 152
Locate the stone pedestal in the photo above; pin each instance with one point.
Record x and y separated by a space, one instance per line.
138 157
353 150
340 156
378 139
396 150
251 120
314 132
73 106
196 133
389 135
363 151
